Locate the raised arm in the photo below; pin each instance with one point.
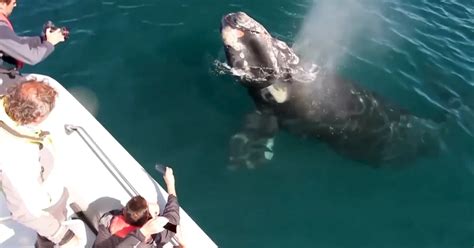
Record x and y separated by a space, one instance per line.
29 50
171 211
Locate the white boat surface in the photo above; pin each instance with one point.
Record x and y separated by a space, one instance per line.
91 183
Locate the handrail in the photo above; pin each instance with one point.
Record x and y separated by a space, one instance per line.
109 165
106 162
2 219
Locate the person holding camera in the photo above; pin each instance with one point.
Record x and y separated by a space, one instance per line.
16 50
139 223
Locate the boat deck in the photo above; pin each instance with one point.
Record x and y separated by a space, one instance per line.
88 178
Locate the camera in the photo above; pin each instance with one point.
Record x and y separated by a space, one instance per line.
50 24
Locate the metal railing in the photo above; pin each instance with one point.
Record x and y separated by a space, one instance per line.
110 166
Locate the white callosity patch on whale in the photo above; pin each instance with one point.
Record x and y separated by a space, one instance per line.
285 64
246 22
244 62
230 37
289 63
262 34
285 52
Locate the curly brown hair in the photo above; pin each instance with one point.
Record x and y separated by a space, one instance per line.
29 101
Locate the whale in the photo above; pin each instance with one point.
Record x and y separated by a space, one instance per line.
311 102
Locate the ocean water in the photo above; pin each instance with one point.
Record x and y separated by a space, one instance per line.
147 70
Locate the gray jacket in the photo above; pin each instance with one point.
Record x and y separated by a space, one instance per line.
29 50
135 239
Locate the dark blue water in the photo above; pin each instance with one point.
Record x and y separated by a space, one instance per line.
147 69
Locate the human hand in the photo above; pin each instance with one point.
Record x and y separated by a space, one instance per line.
180 237
75 242
154 209
79 230
169 177
54 37
153 226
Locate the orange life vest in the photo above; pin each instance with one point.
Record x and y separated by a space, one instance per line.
120 228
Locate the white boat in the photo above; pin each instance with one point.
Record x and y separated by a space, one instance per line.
100 174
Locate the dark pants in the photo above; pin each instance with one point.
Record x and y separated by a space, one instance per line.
59 212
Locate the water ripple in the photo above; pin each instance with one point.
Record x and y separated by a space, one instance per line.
171 24
137 6
411 15
410 77
430 99
79 18
436 40
291 14
84 31
412 41
400 52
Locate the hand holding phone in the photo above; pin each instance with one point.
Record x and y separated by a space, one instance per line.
160 168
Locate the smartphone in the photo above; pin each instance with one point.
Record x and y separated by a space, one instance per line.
160 168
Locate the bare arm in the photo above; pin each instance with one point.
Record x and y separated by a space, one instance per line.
169 180
171 211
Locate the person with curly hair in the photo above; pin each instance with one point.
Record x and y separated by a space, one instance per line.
34 191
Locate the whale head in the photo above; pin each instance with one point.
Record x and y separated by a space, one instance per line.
252 53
